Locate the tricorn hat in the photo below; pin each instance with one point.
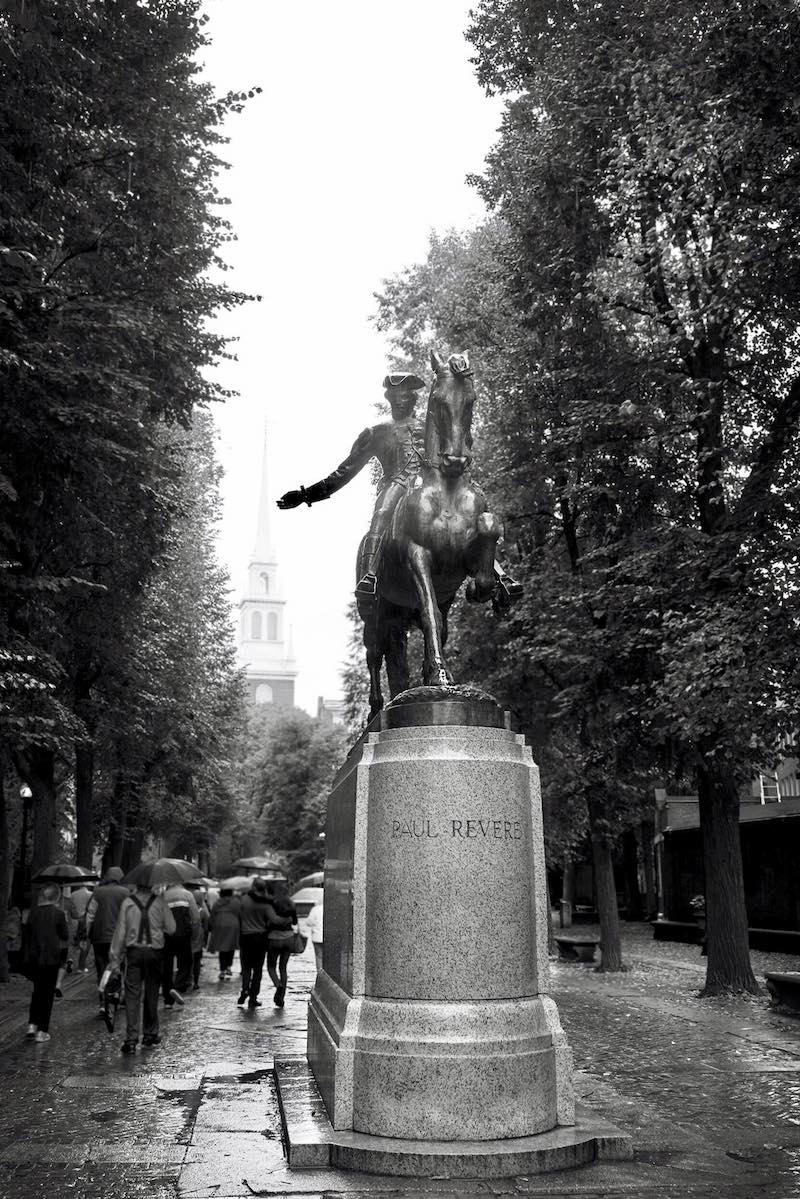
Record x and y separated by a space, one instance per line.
403 379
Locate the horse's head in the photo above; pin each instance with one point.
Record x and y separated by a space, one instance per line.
448 429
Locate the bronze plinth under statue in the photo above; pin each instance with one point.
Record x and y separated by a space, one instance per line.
431 529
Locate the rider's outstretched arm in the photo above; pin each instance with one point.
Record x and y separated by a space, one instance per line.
363 449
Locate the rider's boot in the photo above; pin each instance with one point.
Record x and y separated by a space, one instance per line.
367 585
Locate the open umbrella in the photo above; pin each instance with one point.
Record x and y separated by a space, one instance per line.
163 870
305 898
262 865
311 880
237 883
63 873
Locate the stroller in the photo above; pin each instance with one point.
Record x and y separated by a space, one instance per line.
112 991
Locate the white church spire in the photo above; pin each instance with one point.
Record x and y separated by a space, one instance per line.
264 550
265 648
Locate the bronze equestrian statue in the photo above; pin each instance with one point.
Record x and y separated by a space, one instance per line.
438 532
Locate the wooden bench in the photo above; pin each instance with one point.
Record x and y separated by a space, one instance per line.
686 931
784 991
577 949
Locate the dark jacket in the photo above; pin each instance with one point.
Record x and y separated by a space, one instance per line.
225 924
102 911
280 933
49 935
259 916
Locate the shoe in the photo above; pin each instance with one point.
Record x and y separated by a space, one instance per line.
101 1012
149 1042
177 997
279 994
69 966
40 1037
254 1003
242 998
32 1031
229 974
128 1047
222 977
59 993
196 986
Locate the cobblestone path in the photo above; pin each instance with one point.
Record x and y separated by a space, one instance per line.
710 1091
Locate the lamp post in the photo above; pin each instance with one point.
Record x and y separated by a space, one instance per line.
25 795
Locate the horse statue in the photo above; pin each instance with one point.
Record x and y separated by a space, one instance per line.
441 533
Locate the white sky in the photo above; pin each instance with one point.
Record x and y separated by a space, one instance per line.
369 120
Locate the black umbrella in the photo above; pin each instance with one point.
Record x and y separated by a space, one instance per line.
64 873
163 870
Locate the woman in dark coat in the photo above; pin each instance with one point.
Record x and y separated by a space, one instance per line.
281 940
224 930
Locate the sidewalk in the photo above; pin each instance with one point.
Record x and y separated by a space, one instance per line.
709 1090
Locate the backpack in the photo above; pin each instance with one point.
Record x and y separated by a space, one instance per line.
145 936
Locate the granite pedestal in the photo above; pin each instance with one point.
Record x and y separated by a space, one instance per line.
430 1021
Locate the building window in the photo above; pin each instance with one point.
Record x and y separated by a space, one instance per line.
255 626
265 583
272 626
264 694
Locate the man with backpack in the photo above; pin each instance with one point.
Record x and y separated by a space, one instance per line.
178 955
144 920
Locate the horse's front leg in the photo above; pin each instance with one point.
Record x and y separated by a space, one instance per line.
374 662
480 587
434 668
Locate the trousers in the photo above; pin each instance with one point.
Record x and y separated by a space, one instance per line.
142 981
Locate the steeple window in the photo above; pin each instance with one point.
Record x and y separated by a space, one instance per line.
272 626
255 626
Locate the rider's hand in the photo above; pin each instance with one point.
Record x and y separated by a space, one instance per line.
291 499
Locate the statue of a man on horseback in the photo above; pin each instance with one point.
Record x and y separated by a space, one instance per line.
431 529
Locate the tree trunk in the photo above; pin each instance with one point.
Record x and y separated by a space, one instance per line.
133 840
39 773
729 969
630 849
84 786
606 889
5 880
646 833
116 834
551 936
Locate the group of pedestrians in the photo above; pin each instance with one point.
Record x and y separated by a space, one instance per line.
262 925
155 936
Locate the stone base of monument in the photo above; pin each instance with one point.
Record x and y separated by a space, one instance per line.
313 1144
432 1038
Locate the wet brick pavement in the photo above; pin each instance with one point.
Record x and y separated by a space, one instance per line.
709 1090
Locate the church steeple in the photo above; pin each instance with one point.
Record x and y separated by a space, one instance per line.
264 550
265 637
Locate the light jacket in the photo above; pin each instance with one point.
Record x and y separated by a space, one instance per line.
129 925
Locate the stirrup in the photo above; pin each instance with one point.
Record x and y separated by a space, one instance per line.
367 586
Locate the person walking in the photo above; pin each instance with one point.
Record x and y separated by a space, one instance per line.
224 929
178 945
313 928
199 934
145 921
48 940
76 905
280 939
102 911
257 918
